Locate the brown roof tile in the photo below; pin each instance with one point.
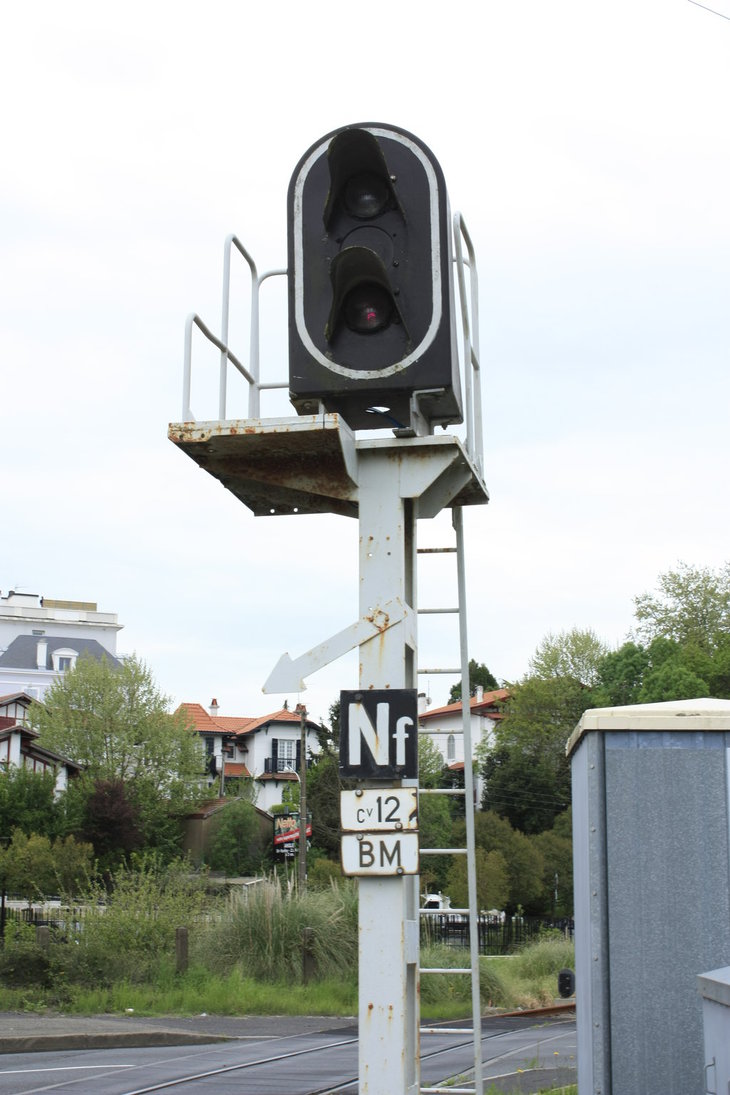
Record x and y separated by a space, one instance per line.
482 706
205 723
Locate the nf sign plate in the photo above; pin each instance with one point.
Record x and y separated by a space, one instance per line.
376 811
379 853
379 734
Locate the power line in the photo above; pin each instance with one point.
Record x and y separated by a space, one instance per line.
705 8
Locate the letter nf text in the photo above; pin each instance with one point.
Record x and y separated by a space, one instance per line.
379 734
362 730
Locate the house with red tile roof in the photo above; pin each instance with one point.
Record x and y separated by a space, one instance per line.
265 748
445 727
19 743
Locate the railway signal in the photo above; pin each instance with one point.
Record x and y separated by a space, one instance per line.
371 302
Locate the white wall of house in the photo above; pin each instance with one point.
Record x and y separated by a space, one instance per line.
23 614
19 744
269 750
449 736
264 755
445 728
44 618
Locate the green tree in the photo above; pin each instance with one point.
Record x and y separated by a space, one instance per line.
108 817
620 675
691 607
663 670
479 677
525 788
576 654
556 848
323 802
672 681
115 722
436 828
237 846
329 736
27 867
525 865
73 866
27 802
430 763
527 775
493 885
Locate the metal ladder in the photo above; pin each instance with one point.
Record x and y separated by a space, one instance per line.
468 792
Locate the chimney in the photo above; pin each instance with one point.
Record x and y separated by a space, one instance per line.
480 693
213 709
41 654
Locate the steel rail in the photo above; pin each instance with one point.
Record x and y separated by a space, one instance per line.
239 1067
208 1074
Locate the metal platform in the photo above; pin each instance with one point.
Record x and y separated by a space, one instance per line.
310 464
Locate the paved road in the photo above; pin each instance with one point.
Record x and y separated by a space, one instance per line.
262 1056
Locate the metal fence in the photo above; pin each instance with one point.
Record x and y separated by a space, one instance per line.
495 936
61 918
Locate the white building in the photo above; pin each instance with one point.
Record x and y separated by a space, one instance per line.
41 637
445 728
19 743
266 748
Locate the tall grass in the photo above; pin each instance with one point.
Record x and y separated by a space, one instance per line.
246 955
530 978
262 933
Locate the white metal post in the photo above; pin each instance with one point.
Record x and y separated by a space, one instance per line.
389 1015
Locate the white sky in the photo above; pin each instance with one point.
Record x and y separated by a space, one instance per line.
587 147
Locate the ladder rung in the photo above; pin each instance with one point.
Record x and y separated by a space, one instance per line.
438 730
443 851
435 611
447 1030
443 912
448 1091
458 671
441 791
446 969
436 551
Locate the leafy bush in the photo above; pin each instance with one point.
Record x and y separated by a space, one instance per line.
237 845
22 961
129 931
324 873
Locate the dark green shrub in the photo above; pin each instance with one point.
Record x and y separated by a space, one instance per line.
22 961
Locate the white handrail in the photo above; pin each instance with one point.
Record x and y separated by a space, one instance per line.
470 337
251 373
469 303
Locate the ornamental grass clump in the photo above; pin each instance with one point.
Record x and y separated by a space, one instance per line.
262 932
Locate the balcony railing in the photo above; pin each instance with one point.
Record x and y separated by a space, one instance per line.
279 764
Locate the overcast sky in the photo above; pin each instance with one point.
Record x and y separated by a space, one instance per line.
587 147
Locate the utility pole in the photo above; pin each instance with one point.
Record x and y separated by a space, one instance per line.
302 867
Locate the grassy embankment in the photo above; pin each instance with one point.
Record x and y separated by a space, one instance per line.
245 957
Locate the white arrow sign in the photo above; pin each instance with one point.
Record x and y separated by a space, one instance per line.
288 675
